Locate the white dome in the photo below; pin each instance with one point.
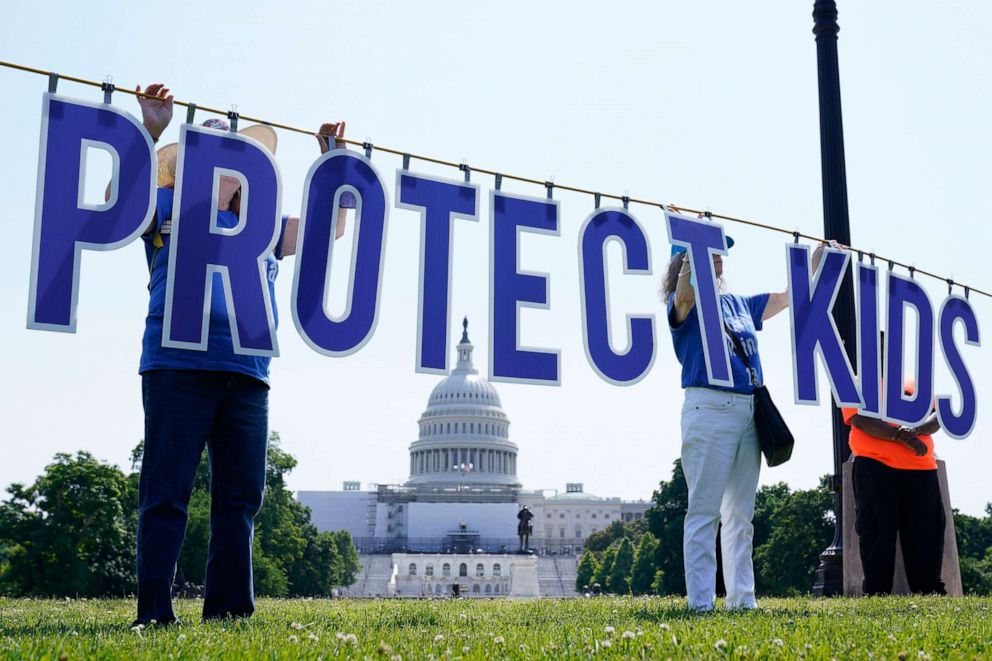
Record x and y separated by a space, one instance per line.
464 433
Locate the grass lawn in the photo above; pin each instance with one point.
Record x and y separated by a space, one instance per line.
643 627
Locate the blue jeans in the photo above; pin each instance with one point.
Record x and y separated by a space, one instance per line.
186 410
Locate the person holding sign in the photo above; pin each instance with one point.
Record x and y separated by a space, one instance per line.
214 398
896 491
720 450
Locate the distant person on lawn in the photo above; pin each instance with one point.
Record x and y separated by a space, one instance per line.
194 399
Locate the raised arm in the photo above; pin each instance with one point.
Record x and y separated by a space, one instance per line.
779 301
685 295
156 113
291 233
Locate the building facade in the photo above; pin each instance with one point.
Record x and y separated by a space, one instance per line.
463 493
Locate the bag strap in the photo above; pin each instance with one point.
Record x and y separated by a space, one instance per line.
739 350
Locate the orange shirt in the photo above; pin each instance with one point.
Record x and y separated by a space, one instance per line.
890 453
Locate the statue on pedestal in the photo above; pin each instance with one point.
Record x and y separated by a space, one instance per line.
524 527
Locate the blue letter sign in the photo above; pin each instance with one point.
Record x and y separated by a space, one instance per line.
906 292
439 202
335 174
64 224
510 289
632 364
201 248
957 309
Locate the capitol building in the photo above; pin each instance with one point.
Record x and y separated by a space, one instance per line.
456 515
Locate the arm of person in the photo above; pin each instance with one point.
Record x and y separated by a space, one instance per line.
156 113
290 235
779 301
928 428
883 431
685 295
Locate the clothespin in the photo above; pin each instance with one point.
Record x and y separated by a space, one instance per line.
53 82
464 167
596 197
368 147
406 161
550 185
190 113
795 236
499 181
950 286
108 88
912 271
891 265
626 201
232 117
861 257
871 258
967 290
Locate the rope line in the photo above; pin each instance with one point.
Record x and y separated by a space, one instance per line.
549 185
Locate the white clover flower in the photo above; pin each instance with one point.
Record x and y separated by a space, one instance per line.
628 635
314 637
383 649
664 626
350 639
293 638
778 642
605 644
720 645
609 630
465 650
499 640
922 655
439 638
296 625
181 638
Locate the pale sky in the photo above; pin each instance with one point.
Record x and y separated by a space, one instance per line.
704 104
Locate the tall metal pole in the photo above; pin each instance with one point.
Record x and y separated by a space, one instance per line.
836 225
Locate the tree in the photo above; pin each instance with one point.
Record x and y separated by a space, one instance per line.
665 520
643 572
974 539
605 567
799 525
600 540
618 581
586 571
72 532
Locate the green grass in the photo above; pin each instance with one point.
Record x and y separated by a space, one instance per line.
889 628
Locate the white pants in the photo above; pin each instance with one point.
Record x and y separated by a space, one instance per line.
720 458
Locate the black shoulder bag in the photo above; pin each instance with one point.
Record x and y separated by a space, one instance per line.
773 434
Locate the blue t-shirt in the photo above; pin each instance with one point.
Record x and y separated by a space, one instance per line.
743 316
219 356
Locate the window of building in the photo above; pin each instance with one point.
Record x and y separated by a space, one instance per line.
578 516
562 515
480 570
497 569
578 533
594 515
413 569
561 533
446 569
429 570
463 569
476 589
606 516
489 589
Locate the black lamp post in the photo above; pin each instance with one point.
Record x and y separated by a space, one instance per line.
836 225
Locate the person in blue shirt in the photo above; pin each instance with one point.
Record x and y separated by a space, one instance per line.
720 451
213 399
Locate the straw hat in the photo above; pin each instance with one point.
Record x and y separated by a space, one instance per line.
168 155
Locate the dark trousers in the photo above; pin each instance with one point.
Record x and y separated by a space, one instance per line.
186 410
889 501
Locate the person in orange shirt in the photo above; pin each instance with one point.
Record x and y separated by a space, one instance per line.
896 491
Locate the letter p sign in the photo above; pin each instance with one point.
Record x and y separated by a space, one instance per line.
64 224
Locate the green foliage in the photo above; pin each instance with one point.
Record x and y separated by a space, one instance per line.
600 540
71 532
618 581
795 527
605 567
634 627
643 572
665 520
586 571
974 537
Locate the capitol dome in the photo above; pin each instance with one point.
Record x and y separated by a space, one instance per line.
464 434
